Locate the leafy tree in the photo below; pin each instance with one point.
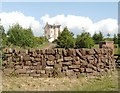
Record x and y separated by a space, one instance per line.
3 36
44 39
108 35
115 39
20 37
84 40
97 37
108 38
40 40
119 39
65 39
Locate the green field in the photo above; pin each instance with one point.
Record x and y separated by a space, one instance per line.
108 82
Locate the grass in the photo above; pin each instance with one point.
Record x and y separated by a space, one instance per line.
96 46
43 45
108 82
46 45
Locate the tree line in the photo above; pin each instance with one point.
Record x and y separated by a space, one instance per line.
84 40
23 37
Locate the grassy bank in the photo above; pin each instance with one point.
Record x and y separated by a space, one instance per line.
108 82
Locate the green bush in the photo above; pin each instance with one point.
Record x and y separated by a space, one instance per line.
84 41
65 39
20 37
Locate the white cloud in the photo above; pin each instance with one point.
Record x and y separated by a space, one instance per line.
77 23
74 23
107 26
8 19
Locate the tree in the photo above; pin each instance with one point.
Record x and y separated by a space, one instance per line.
115 39
97 37
119 39
3 35
84 40
40 40
65 39
108 35
20 37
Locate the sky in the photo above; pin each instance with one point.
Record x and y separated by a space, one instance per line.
92 16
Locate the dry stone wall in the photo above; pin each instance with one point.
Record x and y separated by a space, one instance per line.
57 62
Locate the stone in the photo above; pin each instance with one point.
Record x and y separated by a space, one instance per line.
67 63
10 50
26 67
59 51
79 54
89 57
20 71
28 71
37 51
57 56
26 58
58 65
84 64
76 58
4 50
76 62
48 67
92 52
42 71
76 70
82 51
64 68
74 66
28 63
38 67
68 58
8 55
60 60
33 71
97 51
50 63
34 54
35 75
89 70
64 52
48 70
69 52
18 67
35 64
37 59
52 51
43 51
51 58
87 51
82 70
38 71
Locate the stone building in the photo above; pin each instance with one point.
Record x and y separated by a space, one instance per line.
110 44
51 31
